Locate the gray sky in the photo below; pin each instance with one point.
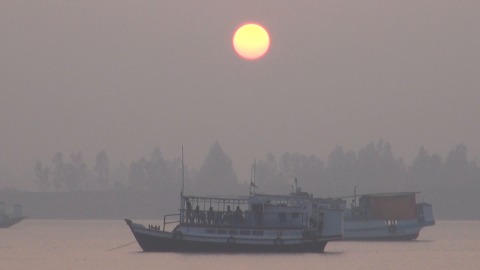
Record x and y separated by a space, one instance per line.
127 76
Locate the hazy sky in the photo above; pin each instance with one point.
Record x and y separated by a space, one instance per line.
127 76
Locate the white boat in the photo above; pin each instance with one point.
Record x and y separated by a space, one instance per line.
386 216
256 223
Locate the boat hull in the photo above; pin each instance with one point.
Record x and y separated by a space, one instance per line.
10 222
387 217
159 241
377 230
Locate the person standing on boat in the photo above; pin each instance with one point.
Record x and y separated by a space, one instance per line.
210 215
237 216
196 214
320 223
228 215
189 210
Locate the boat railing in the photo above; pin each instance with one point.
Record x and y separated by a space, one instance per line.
245 219
166 222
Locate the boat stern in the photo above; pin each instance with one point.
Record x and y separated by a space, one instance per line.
425 214
332 224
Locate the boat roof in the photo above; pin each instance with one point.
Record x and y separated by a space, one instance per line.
217 198
381 194
225 198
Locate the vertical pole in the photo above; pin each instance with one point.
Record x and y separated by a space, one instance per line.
355 195
182 211
252 178
183 172
251 181
254 168
296 185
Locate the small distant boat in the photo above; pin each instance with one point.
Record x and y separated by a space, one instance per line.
297 222
7 220
386 216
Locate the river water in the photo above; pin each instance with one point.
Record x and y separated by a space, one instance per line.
97 244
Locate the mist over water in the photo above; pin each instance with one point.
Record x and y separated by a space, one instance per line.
81 244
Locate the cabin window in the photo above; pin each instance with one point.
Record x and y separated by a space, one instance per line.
210 230
235 232
257 232
222 231
295 215
282 217
244 232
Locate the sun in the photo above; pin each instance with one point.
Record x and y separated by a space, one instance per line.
251 41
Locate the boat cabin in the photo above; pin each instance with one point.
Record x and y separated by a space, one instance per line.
297 210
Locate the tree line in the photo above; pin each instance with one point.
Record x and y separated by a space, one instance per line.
146 174
374 168
452 183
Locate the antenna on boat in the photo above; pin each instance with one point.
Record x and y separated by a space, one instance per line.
355 196
183 174
296 185
181 192
252 178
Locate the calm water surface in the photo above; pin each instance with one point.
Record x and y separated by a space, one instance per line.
87 244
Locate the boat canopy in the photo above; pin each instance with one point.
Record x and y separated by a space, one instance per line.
391 206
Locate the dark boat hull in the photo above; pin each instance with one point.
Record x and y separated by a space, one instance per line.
403 237
167 242
10 222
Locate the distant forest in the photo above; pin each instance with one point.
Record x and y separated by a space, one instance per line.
451 184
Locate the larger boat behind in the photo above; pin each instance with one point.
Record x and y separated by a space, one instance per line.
386 216
297 222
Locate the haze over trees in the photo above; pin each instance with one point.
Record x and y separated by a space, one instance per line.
216 175
102 168
451 184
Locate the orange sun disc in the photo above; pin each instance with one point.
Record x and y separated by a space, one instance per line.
251 41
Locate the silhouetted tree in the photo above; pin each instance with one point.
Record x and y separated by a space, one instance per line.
378 169
75 172
216 175
42 175
425 170
136 176
458 171
102 168
120 176
160 173
57 172
71 177
341 171
307 169
268 177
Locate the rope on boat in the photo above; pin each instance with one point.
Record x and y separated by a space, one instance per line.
122 246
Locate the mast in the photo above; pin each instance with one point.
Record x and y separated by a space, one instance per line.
254 168
183 173
355 196
252 178
181 192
